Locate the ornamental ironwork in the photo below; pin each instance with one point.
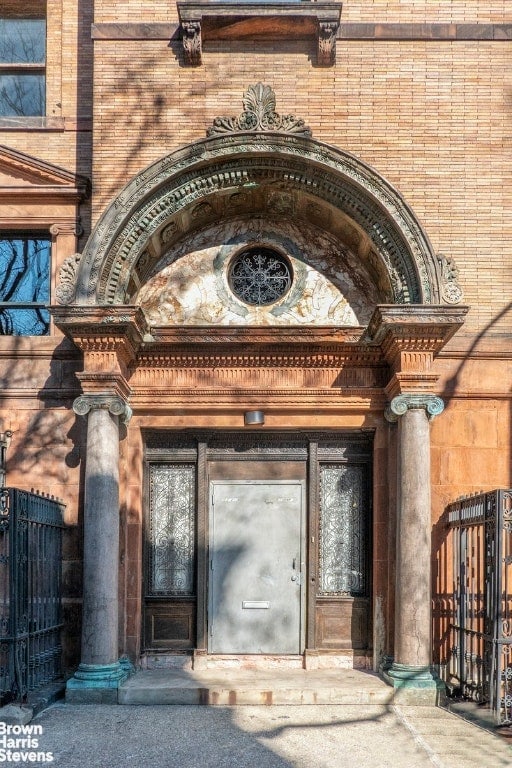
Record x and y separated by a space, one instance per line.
260 276
171 543
343 531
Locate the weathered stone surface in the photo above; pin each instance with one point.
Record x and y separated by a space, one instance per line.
12 714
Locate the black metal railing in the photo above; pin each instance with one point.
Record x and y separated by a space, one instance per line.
30 592
473 614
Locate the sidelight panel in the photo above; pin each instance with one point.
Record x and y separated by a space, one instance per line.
343 531
171 535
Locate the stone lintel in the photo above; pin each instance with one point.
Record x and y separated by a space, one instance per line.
212 20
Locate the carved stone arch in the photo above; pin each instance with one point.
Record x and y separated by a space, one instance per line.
249 171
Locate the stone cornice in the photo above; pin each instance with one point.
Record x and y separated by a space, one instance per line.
96 329
434 32
42 177
410 336
435 322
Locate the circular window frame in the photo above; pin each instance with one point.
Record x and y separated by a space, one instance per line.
271 251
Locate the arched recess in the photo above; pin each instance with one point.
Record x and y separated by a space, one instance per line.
254 174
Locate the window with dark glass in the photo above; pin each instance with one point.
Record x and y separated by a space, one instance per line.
23 62
24 284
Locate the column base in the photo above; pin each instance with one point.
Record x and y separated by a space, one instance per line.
95 683
414 685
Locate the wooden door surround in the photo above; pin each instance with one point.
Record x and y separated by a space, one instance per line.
335 467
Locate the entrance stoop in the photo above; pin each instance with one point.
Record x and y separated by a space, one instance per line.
278 686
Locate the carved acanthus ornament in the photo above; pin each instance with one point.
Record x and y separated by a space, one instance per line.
259 102
450 289
68 273
192 48
327 43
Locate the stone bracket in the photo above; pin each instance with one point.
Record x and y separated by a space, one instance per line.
212 20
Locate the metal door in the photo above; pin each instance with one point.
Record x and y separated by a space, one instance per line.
256 567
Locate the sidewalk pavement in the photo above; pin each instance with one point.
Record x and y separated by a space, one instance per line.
329 736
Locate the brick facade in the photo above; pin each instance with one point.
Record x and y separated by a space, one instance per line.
427 107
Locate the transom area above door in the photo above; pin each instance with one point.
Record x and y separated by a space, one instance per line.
206 570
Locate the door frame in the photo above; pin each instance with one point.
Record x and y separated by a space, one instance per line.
308 448
302 548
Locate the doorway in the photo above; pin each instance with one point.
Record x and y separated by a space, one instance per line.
257 544
256 565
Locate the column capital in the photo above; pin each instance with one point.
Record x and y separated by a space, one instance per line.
111 403
400 404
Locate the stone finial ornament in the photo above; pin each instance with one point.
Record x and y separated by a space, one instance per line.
259 102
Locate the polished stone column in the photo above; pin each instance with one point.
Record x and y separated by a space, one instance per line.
99 673
411 667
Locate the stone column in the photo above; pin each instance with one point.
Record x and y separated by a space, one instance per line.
99 673
411 667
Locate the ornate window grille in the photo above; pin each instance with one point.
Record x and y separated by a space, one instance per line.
171 535
260 276
343 531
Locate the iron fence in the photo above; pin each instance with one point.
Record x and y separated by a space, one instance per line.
30 592
473 621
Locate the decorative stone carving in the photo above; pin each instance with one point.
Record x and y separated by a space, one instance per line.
241 160
112 403
65 292
432 404
259 114
192 49
451 291
326 43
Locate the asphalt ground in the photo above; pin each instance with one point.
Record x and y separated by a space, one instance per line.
331 736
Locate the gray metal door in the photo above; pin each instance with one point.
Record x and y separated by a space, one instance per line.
256 554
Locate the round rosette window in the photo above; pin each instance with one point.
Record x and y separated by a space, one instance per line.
260 276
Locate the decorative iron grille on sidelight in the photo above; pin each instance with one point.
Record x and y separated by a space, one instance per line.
30 592
473 608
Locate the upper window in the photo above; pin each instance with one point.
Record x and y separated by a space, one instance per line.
24 284
23 63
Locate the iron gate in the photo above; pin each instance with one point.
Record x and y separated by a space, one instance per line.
30 592
479 649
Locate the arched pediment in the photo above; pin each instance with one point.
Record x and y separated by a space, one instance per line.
240 174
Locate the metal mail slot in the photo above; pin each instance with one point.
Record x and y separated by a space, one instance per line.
255 604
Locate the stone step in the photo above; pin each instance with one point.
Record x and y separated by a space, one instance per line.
231 687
